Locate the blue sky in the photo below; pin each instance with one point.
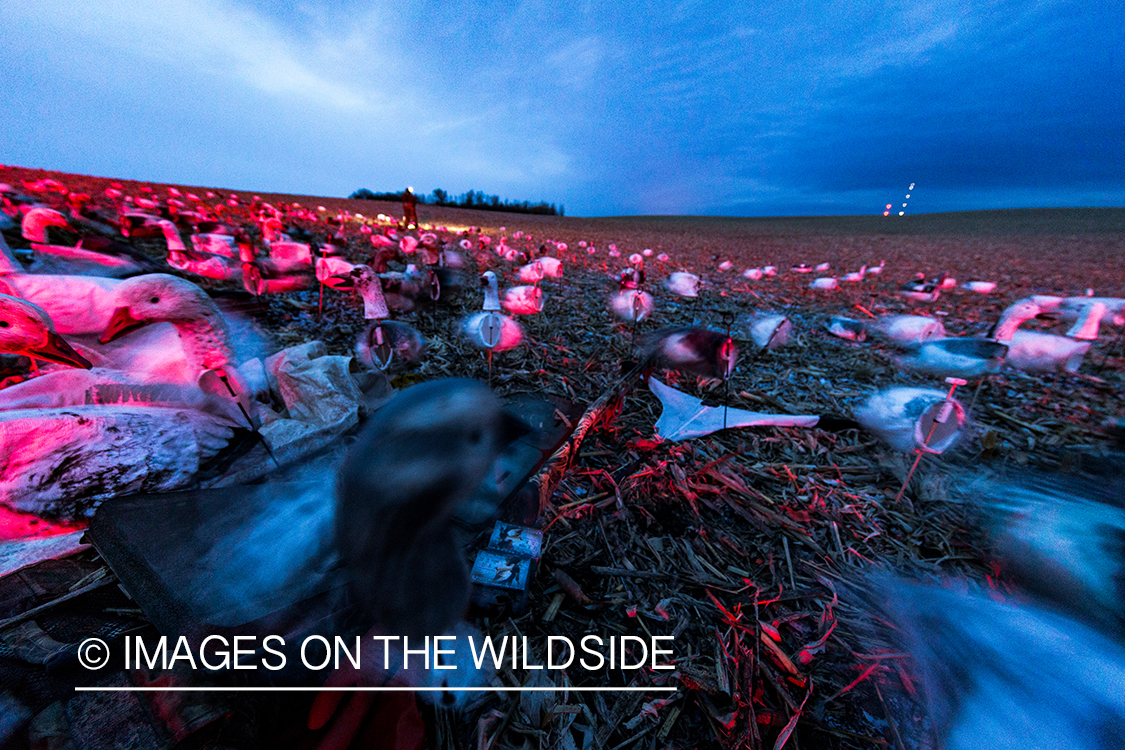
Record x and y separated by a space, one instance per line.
608 108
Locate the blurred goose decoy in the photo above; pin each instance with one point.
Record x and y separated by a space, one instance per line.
824 284
822 267
1007 677
1070 309
847 328
920 290
523 300
26 330
630 302
980 287
905 419
876 270
697 351
955 357
769 270
767 331
1061 538
907 330
801 268
855 276
422 454
683 284
753 274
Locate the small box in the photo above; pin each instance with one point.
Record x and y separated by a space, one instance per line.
500 581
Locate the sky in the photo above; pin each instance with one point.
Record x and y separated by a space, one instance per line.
821 107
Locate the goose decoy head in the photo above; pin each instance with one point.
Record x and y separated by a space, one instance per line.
154 298
421 455
27 330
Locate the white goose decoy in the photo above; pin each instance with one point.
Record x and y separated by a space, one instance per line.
631 303
1007 676
855 276
769 270
26 330
1035 352
385 343
907 330
489 330
824 284
920 290
980 287
876 270
202 329
683 284
205 264
847 328
823 267
523 300
767 331
753 274
33 226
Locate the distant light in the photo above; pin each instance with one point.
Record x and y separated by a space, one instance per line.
908 196
886 213
900 213
912 186
888 206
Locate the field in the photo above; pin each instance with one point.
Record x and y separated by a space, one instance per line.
724 540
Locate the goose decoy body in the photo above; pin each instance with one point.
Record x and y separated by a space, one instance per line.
388 344
1036 352
955 357
422 454
683 284
824 284
489 329
1069 309
847 328
980 287
631 303
920 290
768 332
697 351
855 276
907 330
523 300
1005 676
384 344
26 330
754 274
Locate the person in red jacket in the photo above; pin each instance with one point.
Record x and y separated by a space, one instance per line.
409 210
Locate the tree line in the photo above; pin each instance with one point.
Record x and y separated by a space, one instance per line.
475 199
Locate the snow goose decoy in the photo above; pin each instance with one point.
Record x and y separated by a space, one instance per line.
489 330
384 343
523 300
1005 676
855 276
907 330
202 329
1035 352
768 332
920 290
753 274
683 284
824 284
631 303
980 287
847 328
26 330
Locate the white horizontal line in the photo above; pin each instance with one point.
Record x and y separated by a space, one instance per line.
383 689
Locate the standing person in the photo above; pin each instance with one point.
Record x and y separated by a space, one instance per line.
409 212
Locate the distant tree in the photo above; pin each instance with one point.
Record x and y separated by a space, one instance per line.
441 197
